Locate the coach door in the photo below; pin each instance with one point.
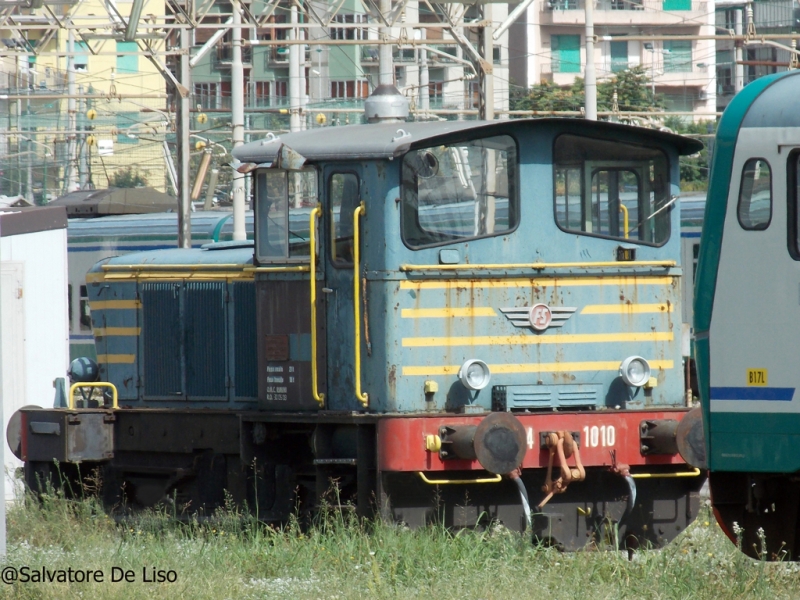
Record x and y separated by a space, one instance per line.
343 187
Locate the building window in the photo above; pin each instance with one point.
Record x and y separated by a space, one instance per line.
677 56
350 89
436 91
81 56
566 53
349 33
127 63
206 95
267 93
677 5
474 98
619 56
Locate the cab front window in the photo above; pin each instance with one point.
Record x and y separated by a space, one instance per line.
459 191
626 198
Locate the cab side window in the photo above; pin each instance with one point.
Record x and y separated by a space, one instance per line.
755 195
344 198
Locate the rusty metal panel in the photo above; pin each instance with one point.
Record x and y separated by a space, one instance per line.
283 316
89 437
66 436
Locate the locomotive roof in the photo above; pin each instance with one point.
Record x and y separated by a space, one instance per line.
390 140
776 106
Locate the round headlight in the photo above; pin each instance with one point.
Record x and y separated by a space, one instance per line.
635 371
474 374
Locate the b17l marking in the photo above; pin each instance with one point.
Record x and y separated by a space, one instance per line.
757 377
538 317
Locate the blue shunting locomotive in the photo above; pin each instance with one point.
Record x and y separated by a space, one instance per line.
473 321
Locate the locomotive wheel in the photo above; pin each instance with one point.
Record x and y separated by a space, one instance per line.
759 512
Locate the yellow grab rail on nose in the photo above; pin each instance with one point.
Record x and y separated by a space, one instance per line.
624 210
362 397
101 384
495 479
312 228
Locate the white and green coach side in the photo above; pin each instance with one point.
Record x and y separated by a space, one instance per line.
747 316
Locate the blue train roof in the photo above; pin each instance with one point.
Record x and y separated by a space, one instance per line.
776 105
389 140
156 225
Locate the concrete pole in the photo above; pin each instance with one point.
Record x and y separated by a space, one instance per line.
738 78
183 123
2 461
237 116
29 184
590 77
295 79
385 60
424 79
488 68
83 170
72 145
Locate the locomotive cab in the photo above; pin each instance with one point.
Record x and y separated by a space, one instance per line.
441 212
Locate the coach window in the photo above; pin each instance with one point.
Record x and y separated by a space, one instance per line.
793 171
459 191
283 202
85 319
611 189
755 195
343 198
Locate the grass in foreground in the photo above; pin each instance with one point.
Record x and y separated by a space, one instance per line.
235 557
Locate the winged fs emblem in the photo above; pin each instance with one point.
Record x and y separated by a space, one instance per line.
539 317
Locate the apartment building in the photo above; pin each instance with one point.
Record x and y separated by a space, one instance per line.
737 63
341 77
43 151
549 44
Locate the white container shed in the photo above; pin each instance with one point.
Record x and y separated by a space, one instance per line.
33 314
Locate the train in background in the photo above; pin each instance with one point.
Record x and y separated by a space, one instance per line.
746 316
90 240
474 323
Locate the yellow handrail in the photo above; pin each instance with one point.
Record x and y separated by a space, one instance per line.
362 397
297 269
693 473
664 264
624 210
101 384
495 479
312 228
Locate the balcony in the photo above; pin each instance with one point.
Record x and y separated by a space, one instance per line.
225 55
689 13
681 75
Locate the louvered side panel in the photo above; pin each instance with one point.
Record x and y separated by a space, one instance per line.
244 340
161 335
205 340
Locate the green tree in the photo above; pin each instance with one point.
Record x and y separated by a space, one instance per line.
127 178
694 168
632 87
